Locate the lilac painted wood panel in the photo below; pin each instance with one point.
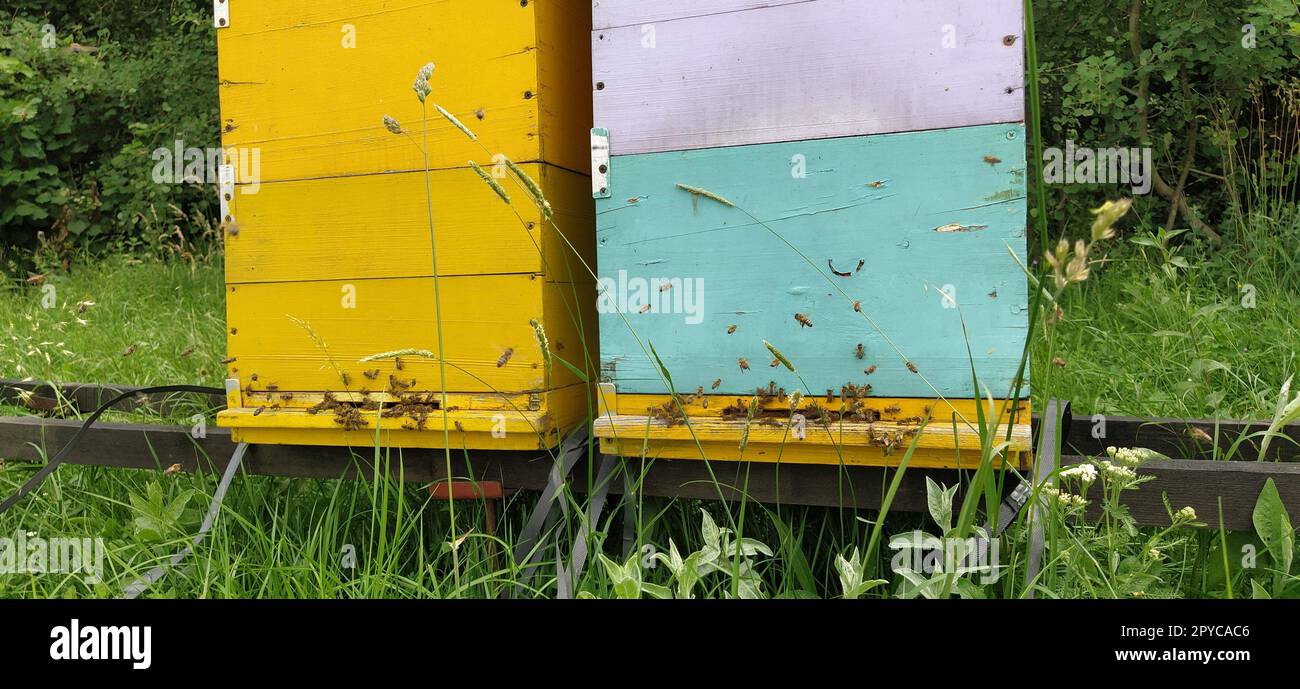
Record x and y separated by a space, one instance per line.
809 70
607 14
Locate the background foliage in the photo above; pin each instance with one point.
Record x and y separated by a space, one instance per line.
80 119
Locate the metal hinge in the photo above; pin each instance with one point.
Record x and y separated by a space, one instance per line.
600 163
221 13
226 177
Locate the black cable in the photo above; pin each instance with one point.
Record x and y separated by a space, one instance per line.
53 464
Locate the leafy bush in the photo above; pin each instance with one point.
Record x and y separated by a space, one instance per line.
79 123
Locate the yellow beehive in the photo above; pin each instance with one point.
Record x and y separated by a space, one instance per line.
328 247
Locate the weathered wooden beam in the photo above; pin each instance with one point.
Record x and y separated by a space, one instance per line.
1182 438
1198 483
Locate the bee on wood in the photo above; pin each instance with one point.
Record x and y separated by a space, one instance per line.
372 374
347 379
861 262
893 409
992 160
860 352
717 383
505 356
870 369
731 329
253 377
288 396
857 306
459 427
911 367
272 388
397 362
258 411
744 364
396 384
803 320
228 360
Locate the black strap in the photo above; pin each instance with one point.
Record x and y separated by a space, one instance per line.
53 464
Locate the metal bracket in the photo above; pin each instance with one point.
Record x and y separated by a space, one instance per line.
600 163
226 177
221 13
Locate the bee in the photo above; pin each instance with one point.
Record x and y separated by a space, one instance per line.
716 384
803 320
398 384
232 229
173 470
893 409
857 306
731 329
876 185
644 309
861 262
861 351
911 367
459 427
776 362
228 360
234 331
1059 362
559 346
505 356
347 379
744 364
1199 434
129 351
372 374
273 388
253 377
258 411
287 396
992 160
664 287
870 369
397 362
188 351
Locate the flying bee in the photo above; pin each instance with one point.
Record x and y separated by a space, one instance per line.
776 362
870 369
804 320
228 360
744 364
716 384
911 367
372 374
644 309
861 262
505 356
875 185
731 329
664 287
992 160
861 351
857 306
188 351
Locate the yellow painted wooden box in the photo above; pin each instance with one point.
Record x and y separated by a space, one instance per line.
329 256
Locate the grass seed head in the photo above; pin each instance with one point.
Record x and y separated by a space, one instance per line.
487 179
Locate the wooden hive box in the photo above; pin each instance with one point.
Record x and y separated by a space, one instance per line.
328 249
844 180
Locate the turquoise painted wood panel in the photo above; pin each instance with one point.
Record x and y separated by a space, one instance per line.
930 215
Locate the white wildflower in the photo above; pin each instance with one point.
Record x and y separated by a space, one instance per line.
1085 473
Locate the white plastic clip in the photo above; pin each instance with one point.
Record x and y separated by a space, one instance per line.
226 177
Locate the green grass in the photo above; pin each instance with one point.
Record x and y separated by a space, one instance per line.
1135 340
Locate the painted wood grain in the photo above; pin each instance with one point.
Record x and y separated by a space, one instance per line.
882 200
293 89
373 226
482 317
809 70
608 14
